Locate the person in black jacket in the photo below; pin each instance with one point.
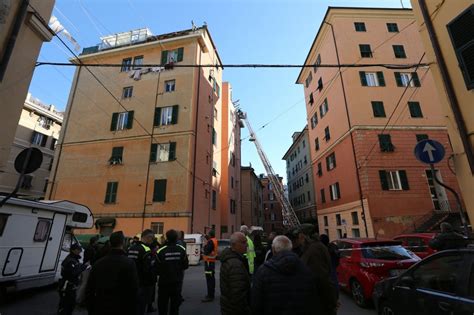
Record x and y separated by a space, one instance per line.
448 238
172 261
90 253
283 284
112 286
140 253
71 269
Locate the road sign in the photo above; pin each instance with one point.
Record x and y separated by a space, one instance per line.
429 151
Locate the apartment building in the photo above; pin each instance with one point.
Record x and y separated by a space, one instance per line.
272 210
449 46
142 142
39 127
299 174
364 122
251 196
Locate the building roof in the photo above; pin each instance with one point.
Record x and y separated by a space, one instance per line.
293 145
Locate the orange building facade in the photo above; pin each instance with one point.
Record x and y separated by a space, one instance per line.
142 143
252 197
364 122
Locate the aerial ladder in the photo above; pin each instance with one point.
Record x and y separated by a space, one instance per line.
289 217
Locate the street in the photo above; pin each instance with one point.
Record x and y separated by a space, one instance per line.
44 301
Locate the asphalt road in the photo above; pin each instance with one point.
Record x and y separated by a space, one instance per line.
44 301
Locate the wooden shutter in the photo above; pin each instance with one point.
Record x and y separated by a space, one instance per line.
130 119
398 78
383 179
113 125
180 54
363 78
415 79
44 139
381 78
172 155
154 147
159 192
157 119
174 114
164 57
404 179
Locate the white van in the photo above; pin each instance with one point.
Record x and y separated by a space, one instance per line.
35 237
194 244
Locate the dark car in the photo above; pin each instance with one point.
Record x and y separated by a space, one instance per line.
419 243
442 283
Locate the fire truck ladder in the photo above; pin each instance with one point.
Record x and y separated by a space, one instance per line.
289 217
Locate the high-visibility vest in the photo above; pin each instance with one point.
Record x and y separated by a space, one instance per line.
213 255
250 255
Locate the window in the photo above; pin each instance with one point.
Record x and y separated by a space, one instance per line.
42 230
334 191
378 109
3 222
326 220
111 192
157 227
317 63
39 139
316 144
394 180
360 27
372 78
172 56
339 233
52 146
415 110
309 79
320 84
338 219
355 218
323 109
126 65
311 99
214 200
421 137
365 51
399 51
127 92
137 62
44 122
232 206
407 79
331 161
392 27
307 177
385 142
121 121
163 152
355 232
327 135
45 187
323 196
170 85
309 196
314 120
159 191
233 159
214 136
320 169
232 182
26 183
304 145
166 115
116 157
214 168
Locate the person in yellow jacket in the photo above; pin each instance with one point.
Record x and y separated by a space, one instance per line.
250 255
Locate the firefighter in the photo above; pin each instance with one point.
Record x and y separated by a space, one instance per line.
250 255
210 255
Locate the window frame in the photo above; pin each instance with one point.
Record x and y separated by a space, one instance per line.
170 83
44 236
136 65
126 66
385 143
415 109
378 109
399 51
111 193
335 191
360 27
392 28
365 51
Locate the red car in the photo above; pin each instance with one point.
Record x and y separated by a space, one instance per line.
364 262
419 243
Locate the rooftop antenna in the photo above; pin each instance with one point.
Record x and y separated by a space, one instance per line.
193 26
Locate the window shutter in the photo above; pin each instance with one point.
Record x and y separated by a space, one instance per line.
157 119
159 192
180 54
338 191
363 78
381 78
404 180
383 180
117 152
398 78
43 140
154 147
113 125
130 119
172 155
415 79
33 136
164 57
334 159
174 115
327 163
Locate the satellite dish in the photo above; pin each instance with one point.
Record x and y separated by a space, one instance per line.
28 161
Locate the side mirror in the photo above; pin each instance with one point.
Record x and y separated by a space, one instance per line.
407 281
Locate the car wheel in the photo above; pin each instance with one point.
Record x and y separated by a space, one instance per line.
386 309
358 293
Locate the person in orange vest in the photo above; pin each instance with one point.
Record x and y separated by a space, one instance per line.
210 255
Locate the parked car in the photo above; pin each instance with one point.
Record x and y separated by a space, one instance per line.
364 262
443 283
418 243
222 244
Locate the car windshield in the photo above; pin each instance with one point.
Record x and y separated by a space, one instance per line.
385 252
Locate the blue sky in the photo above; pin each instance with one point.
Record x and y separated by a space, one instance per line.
244 31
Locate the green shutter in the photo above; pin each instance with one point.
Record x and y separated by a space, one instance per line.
338 190
111 193
363 79
415 109
130 119
404 180
154 147
157 119
383 180
398 78
159 192
180 54
113 125
172 155
381 78
164 57
378 109
117 152
174 114
415 79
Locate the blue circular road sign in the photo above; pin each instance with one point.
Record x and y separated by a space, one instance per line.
429 151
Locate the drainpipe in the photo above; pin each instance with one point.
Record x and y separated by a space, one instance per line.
195 143
448 84
361 197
